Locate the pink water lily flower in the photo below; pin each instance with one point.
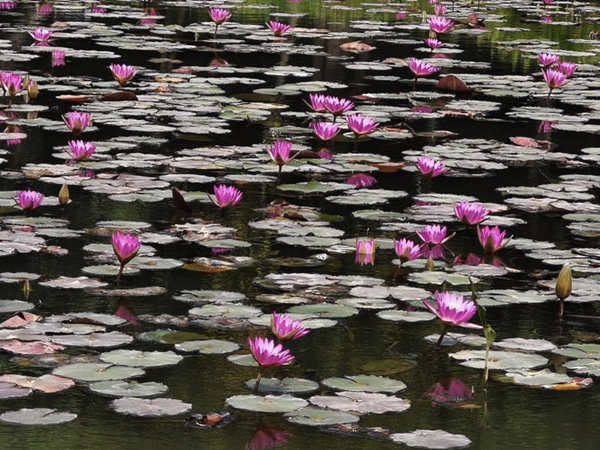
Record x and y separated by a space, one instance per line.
77 121
122 73
433 43
433 252
361 180
407 250
440 24
365 251
546 19
429 167
219 15
7 6
470 213
337 106
28 200
41 34
325 130
125 246
554 79
325 154
567 68
317 102
421 68
439 10
361 125
452 309
401 15
434 234
225 196
267 353
12 83
456 393
44 9
285 328
80 150
491 239
547 59
98 9
58 58
281 153
278 28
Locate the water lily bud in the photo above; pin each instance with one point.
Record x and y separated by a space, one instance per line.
63 195
564 282
32 90
429 265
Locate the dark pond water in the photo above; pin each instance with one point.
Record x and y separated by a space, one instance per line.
203 110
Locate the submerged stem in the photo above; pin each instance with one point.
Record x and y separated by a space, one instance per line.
119 274
257 384
441 338
561 309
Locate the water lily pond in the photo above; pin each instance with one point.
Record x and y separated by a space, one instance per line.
299 223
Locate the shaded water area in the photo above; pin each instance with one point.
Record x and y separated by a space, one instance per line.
210 108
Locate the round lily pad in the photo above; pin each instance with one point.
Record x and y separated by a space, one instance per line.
9 306
364 383
361 402
37 416
243 360
267 403
499 360
231 311
10 390
136 358
526 345
208 346
112 339
397 315
118 388
155 407
97 372
584 366
318 417
283 386
325 310
437 439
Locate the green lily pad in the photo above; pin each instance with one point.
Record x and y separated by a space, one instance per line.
37 416
118 388
398 315
324 310
136 358
97 372
364 383
361 402
208 346
283 386
267 403
156 407
499 360
318 417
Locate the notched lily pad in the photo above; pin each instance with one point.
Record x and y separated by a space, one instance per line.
156 407
37 416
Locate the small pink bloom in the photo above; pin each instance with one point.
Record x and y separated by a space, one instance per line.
491 239
546 19
429 167
407 250
122 73
58 58
125 246
554 79
317 102
285 328
336 105
79 150
361 180
266 353
219 15
41 34
365 252
77 121
28 200
325 130
98 9
433 252
281 152
457 393
547 59
421 68
12 83
434 234
567 68
453 309
470 213
361 125
325 154
150 12
433 43
440 24
278 28
439 10
401 15
44 9
8 6
225 196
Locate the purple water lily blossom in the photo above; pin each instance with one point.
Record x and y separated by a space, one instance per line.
267 353
440 24
58 58
28 200
41 34
421 68
7 6
470 213
281 152
361 180
361 125
365 252
429 167
337 106
325 130
98 9
567 68
12 83
492 239
285 328
122 73
125 246
225 196
439 10
548 59
278 28
325 154
452 309
44 9
546 19
407 250
434 234
317 102
219 15
433 43
554 79
77 121
80 150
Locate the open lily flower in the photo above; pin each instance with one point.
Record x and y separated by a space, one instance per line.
453 309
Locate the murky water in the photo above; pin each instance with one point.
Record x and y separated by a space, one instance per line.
501 416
